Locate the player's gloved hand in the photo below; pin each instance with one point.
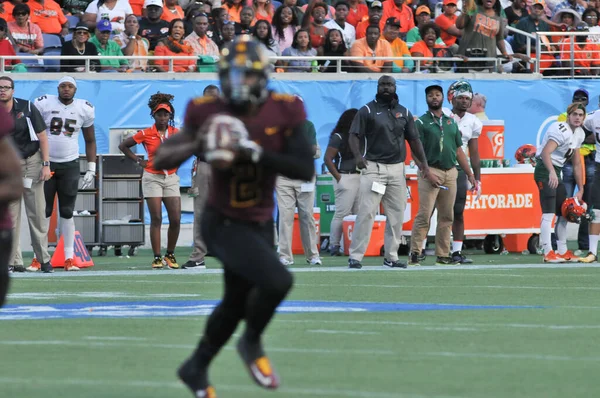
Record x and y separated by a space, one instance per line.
88 178
250 149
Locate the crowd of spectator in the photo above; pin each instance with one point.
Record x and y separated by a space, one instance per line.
197 29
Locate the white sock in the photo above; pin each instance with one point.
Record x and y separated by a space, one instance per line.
67 227
546 232
456 246
594 244
561 235
424 244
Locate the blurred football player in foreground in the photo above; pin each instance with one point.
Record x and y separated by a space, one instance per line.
249 135
11 188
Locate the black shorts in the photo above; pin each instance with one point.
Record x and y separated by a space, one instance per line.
461 193
551 199
595 199
65 183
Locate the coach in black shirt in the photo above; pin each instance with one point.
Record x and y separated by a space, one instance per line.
383 126
29 136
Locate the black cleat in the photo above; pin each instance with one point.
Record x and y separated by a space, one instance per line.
393 264
414 260
196 380
421 257
444 261
458 258
47 268
354 264
194 264
258 365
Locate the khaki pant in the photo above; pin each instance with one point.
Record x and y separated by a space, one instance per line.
160 185
35 208
394 203
202 184
289 196
443 201
347 200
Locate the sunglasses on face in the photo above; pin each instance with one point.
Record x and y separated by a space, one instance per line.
5 88
82 32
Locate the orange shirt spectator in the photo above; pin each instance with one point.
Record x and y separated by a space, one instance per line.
374 17
357 12
151 139
234 9
137 6
361 48
6 10
179 65
585 56
397 8
171 11
48 16
446 21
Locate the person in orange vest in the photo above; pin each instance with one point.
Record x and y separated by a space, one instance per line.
374 18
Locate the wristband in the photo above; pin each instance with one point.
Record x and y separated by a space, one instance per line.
92 167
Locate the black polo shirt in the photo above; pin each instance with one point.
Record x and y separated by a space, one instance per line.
384 127
21 110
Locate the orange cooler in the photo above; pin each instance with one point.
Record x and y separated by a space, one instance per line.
491 140
377 235
296 238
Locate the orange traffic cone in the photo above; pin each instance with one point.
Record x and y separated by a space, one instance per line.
81 257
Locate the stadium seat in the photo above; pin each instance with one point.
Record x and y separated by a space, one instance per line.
68 37
73 21
31 62
52 65
51 41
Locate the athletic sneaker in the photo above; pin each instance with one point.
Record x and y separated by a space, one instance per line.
568 257
69 266
589 258
35 266
171 261
413 260
421 257
16 268
393 264
258 364
552 257
196 380
157 263
286 262
458 258
354 264
47 268
315 261
441 260
194 264
335 251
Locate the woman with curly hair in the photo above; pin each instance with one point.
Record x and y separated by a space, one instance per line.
158 186
342 166
174 46
284 26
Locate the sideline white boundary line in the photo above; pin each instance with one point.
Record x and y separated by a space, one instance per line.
145 384
368 268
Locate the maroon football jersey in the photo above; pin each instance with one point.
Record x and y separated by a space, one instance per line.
6 125
245 192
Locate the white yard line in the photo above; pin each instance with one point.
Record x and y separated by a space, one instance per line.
115 338
144 384
187 272
329 331
452 326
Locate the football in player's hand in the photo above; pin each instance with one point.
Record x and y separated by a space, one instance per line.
221 139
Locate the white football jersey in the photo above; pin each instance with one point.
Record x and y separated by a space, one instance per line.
567 140
592 123
64 123
469 125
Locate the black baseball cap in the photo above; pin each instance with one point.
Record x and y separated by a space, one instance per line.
434 87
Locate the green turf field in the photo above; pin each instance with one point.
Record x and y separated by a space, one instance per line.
546 346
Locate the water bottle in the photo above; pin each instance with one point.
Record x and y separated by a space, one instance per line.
314 66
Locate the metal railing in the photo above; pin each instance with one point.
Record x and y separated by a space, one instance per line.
569 65
338 61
